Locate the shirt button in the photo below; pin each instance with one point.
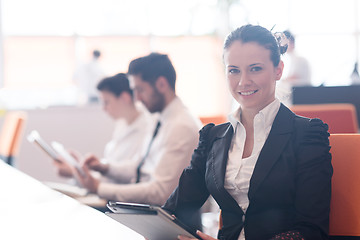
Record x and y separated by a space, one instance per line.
259 139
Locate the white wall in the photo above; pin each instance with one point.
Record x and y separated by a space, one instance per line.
86 129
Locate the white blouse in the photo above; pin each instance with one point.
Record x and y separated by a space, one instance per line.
239 170
126 141
127 138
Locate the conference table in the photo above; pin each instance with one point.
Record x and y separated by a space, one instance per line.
31 210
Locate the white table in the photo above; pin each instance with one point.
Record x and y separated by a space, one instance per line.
31 210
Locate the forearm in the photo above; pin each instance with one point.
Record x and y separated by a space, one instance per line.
147 192
122 172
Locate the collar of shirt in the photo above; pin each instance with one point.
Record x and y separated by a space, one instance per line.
170 109
123 129
170 139
268 114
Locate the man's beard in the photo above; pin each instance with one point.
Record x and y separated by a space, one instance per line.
158 102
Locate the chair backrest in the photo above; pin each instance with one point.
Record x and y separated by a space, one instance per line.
341 117
213 119
11 134
345 197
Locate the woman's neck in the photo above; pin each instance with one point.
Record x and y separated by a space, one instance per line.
132 114
247 117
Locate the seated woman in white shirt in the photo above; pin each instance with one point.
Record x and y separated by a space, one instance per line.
268 169
130 127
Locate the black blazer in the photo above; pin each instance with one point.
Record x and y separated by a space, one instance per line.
289 190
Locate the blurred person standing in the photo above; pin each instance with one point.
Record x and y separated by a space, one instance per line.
298 72
87 76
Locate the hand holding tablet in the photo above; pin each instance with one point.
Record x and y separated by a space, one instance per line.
56 151
153 222
59 148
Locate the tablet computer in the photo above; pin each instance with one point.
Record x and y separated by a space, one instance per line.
59 148
34 137
55 151
152 222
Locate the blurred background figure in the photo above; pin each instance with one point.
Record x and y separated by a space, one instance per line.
298 71
87 76
131 125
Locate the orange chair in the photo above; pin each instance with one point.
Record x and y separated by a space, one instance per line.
341 117
345 197
11 134
218 119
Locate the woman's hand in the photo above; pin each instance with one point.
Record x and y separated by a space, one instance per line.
93 163
87 180
63 168
202 236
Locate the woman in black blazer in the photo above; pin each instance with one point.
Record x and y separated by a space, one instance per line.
268 169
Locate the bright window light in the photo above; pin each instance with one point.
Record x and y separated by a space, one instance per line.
44 41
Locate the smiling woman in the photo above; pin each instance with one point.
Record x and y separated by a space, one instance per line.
268 169
251 74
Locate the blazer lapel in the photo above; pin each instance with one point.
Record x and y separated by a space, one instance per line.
217 161
278 137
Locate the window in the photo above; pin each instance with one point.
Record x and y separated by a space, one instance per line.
44 42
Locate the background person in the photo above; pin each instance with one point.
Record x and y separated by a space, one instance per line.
154 173
268 169
87 76
297 71
131 126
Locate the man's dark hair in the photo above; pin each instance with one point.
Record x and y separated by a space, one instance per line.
153 66
116 84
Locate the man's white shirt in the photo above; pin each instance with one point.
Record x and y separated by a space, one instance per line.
169 154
